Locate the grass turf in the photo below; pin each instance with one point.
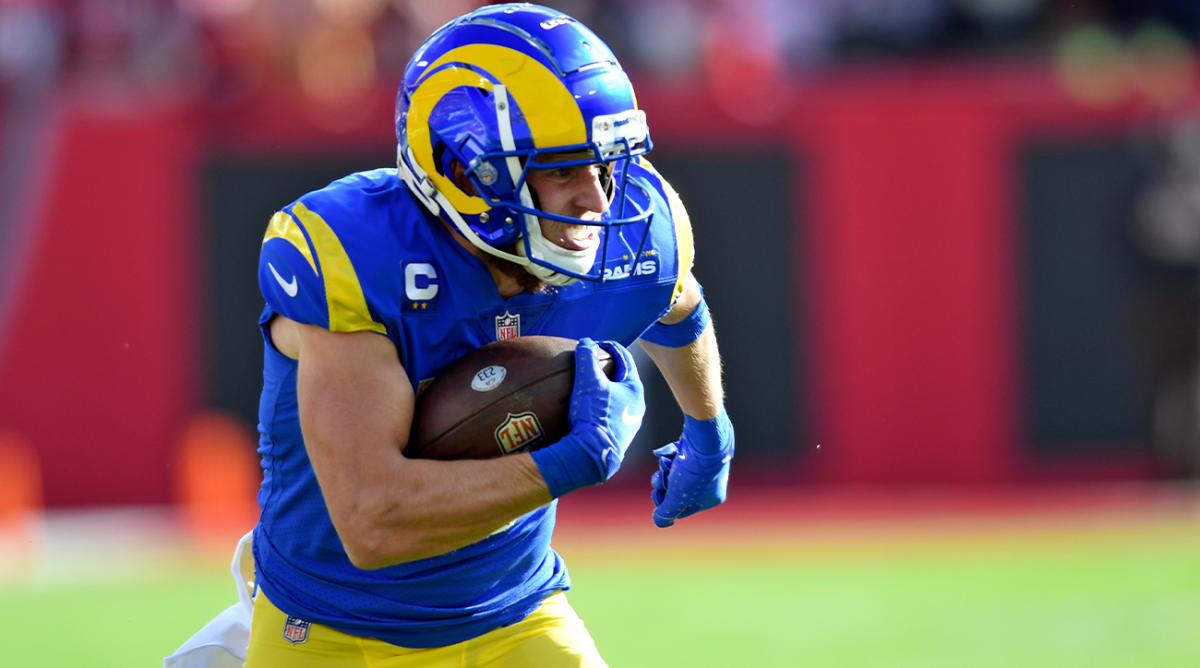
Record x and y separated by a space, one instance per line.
1125 595
1095 603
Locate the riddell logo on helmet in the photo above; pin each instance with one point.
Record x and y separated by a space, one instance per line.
518 431
555 22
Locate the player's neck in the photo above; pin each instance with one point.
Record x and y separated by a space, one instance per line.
508 283
510 279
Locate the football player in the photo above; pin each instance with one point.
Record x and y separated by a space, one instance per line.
522 203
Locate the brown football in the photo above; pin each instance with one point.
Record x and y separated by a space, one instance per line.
509 396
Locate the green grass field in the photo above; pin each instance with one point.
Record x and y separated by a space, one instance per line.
1065 591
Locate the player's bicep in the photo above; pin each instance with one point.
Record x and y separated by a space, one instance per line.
356 408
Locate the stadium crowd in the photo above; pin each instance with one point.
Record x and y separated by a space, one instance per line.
229 48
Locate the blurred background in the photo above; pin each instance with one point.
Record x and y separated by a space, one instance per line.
951 248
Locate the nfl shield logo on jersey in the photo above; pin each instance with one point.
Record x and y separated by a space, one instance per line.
508 326
295 630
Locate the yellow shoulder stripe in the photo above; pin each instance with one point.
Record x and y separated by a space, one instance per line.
283 227
343 293
684 245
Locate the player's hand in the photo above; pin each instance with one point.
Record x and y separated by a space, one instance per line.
604 415
614 407
693 472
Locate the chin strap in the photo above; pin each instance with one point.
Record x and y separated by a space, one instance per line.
533 228
418 182
572 260
420 185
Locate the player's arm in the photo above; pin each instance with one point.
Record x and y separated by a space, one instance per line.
356 410
693 370
693 471
356 407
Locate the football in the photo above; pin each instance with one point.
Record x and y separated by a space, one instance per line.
509 396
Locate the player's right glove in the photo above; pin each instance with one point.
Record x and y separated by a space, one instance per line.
693 472
605 414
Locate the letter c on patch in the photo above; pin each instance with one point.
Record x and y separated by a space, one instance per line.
420 281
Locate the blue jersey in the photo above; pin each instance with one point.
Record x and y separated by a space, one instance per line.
363 255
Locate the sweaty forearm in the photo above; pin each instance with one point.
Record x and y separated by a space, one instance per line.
356 407
433 507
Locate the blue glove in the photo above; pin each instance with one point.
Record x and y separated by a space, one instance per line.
693 472
604 415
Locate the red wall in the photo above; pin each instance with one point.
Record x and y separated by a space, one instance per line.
98 371
907 262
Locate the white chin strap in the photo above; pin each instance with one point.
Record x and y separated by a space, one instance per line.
578 261
418 182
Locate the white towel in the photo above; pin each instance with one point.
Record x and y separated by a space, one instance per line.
223 641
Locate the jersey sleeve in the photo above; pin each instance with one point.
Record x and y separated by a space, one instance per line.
305 274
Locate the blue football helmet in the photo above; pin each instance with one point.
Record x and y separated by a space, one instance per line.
510 88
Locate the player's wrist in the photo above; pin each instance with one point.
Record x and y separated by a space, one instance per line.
709 438
575 461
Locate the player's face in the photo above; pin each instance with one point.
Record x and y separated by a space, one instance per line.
578 192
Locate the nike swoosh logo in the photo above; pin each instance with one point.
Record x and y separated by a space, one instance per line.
291 288
631 419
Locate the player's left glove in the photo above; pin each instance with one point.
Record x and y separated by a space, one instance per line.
693 472
604 416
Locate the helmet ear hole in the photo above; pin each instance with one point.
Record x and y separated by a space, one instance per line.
442 159
458 174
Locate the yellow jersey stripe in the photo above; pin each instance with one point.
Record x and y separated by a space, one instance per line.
283 226
684 245
343 293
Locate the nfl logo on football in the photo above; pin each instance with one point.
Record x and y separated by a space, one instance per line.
508 326
517 431
295 630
